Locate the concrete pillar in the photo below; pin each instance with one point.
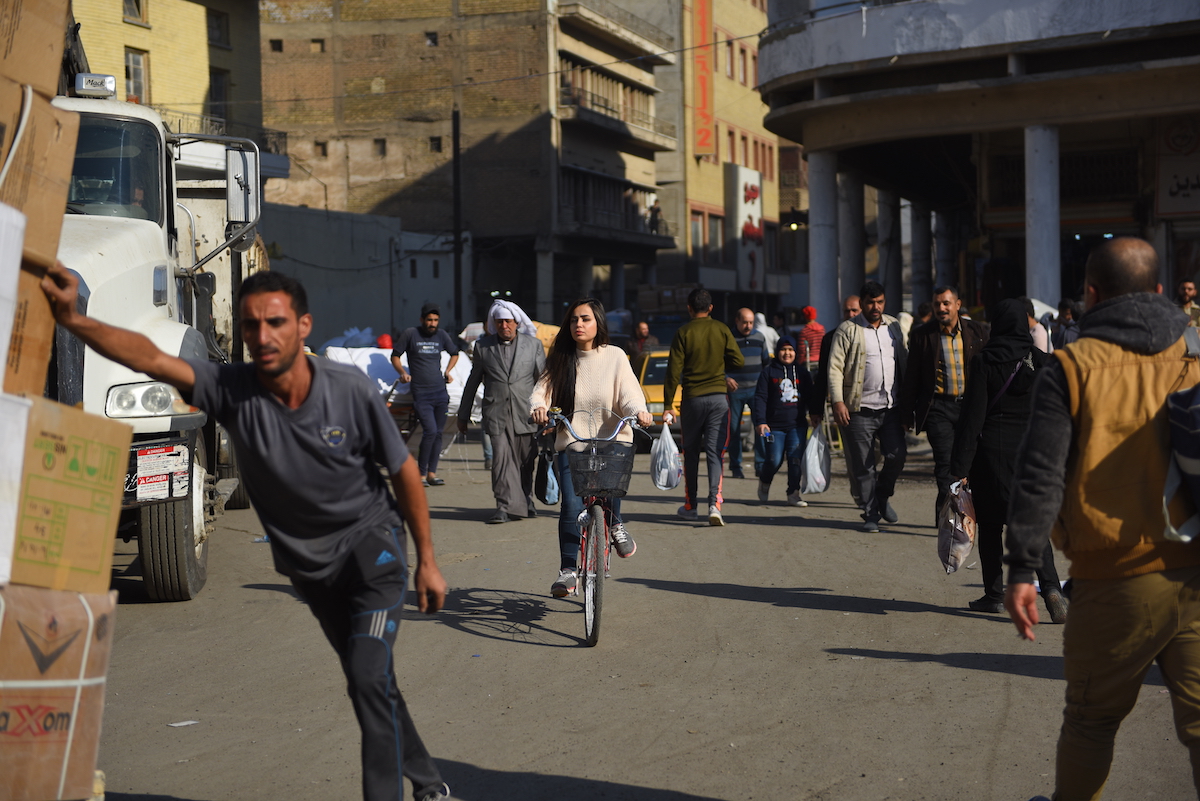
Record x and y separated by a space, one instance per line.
921 221
587 276
1043 246
852 234
890 259
947 257
823 234
617 281
545 287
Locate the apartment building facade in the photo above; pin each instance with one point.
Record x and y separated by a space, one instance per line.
558 128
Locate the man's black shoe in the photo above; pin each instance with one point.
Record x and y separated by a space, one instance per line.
500 517
532 512
986 604
737 473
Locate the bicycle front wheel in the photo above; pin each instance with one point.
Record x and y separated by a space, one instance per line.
592 573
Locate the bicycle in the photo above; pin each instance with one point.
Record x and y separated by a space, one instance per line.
600 471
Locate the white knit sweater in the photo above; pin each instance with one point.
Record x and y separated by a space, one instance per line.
603 380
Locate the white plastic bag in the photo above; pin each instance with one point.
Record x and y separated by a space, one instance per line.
666 467
956 527
814 476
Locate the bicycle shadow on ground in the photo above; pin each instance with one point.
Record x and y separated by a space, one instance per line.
815 598
111 796
1030 665
510 616
473 783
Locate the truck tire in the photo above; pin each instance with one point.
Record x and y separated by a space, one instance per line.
239 499
173 539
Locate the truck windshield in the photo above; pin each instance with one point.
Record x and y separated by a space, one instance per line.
118 170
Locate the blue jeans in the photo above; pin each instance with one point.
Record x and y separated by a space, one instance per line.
739 399
786 443
568 515
431 414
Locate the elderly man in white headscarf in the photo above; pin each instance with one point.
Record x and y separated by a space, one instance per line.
508 360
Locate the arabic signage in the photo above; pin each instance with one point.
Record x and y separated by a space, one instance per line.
744 226
1179 168
704 56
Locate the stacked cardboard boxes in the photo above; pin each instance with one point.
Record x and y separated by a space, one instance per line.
61 471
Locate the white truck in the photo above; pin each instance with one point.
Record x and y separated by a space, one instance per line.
155 225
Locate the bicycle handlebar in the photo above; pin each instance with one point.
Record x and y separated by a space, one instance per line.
555 415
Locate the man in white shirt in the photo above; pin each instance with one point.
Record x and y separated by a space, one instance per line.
866 367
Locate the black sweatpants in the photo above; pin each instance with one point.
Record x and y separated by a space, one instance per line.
359 611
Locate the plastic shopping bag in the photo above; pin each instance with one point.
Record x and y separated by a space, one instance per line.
956 527
814 476
666 467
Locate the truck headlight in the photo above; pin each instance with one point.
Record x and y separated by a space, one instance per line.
153 399
654 408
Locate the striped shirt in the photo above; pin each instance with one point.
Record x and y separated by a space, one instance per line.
951 374
811 336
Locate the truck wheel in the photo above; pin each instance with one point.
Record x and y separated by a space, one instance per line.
239 499
173 539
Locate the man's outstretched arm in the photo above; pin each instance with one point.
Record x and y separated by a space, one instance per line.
410 496
118 344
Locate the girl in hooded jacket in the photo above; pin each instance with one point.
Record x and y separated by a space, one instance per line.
784 392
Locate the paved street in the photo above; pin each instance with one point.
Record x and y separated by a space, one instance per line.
785 656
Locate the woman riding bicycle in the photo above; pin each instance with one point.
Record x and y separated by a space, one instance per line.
594 386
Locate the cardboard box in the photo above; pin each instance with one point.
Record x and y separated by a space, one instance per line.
32 337
54 652
32 33
71 481
12 234
39 175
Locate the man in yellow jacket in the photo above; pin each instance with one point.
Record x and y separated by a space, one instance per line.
1091 474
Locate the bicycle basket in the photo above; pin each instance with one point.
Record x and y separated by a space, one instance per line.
600 468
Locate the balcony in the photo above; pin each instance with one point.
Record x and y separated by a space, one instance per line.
269 141
617 26
620 118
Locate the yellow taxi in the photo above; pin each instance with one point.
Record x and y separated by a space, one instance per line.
650 366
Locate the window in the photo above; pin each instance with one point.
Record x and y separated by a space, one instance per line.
412 268
276 45
218 28
741 65
135 11
436 272
754 66
380 148
316 46
770 162
218 94
731 150
321 149
745 162
137 78
435 144
716 238
757 160
431 39
697 234
379 41
729 58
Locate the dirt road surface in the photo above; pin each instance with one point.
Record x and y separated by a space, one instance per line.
785 656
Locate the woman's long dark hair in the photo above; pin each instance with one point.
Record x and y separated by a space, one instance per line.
560 363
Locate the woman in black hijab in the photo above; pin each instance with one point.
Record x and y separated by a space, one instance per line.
996 411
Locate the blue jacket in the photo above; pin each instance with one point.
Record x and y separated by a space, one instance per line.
784 393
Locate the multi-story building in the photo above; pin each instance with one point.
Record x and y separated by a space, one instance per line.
197 63
722 184
557 122
1030 130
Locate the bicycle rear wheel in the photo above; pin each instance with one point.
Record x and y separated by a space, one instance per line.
592 573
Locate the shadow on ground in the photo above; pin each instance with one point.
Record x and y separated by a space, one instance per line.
473 783
511 616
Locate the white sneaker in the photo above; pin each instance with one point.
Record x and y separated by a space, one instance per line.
714 515
764 490
688 514
794 499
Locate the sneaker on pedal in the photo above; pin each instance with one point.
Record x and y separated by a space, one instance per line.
437 794
622 542
794 499
714 515
565 584
764 491
688 514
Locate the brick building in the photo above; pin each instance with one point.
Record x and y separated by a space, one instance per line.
558 132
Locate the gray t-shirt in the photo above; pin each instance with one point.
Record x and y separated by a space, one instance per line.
425 359
312 473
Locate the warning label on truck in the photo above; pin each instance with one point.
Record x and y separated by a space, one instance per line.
162 460
153 488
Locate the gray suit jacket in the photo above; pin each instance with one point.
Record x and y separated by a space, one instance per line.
505 394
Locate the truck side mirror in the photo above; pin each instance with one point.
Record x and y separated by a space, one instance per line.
242 190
